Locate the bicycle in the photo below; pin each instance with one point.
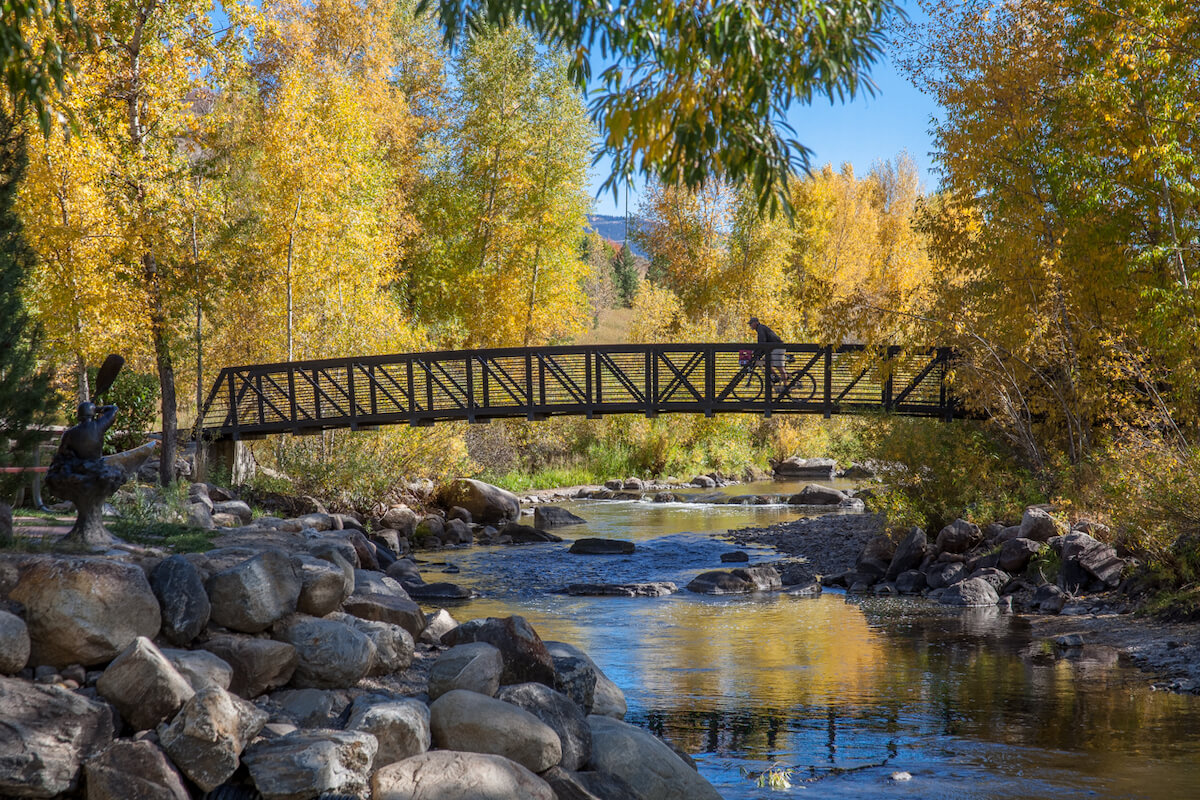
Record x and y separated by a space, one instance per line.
797 388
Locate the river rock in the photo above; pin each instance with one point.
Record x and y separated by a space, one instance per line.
1049 599
972 592
441 590
200 668
703 482
1006 534
310 708
400 518
259 665
405 572
129 770
1015 554
401 727
876 557
46 733
181 595
462 720
474 666
556 710
576 679
486 503
940 575
652 589
524 534
330 654
207 737
796 467
394 646
1084 560
305 764
368 581
601 547
387 608
958 537
910 581
816 495
449 775
437 624
84 611
1038 525
253 595
996 577
908 555
338 552
737 581
554 517
143 685
322 585
525 655
14 643
645 762
608 699
318 521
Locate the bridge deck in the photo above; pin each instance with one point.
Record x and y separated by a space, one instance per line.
592 380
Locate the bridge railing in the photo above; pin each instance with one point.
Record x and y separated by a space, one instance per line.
591 380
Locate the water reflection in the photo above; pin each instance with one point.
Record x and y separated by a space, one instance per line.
849 690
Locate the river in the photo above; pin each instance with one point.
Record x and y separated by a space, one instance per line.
849 693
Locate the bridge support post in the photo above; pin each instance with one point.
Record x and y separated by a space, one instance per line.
228 457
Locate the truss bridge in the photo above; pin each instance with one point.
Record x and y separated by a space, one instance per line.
364 392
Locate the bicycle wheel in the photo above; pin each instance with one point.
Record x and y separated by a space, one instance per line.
805 389
750 387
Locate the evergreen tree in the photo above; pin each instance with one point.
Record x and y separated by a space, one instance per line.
625 274
23 388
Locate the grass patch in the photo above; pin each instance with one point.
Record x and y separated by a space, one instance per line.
548 478
1178 605
170 535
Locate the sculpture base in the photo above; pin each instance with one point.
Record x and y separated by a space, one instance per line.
88 484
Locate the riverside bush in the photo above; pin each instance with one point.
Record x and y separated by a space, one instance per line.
935 472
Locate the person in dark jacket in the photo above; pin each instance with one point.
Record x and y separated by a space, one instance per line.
775 356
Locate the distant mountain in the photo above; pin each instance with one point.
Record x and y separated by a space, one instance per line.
613 229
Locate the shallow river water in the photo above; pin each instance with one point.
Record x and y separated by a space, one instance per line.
844 691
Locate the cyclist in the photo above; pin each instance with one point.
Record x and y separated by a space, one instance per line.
778 371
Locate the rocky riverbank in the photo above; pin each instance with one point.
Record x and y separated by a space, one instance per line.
1067 584
293 661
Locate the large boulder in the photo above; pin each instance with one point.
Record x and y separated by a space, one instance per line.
1086 560
1037 524
130 770
525 655
259 665
1015 554
46 733
554 517
469 721
941 575
448 775
486 503
401 727
323 584
14 643
438 623
972 592
576 678
85 611
330 654
207 737
387 608
143 685
958 537
181 595
401 519
607 698
738 581
394 646
474 666
526 534
200 668
367 581
253 595
816 495
909 554
556 710
876 557
440 590
305 764
796 467
645 762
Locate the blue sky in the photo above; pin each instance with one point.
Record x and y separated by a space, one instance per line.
861 132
